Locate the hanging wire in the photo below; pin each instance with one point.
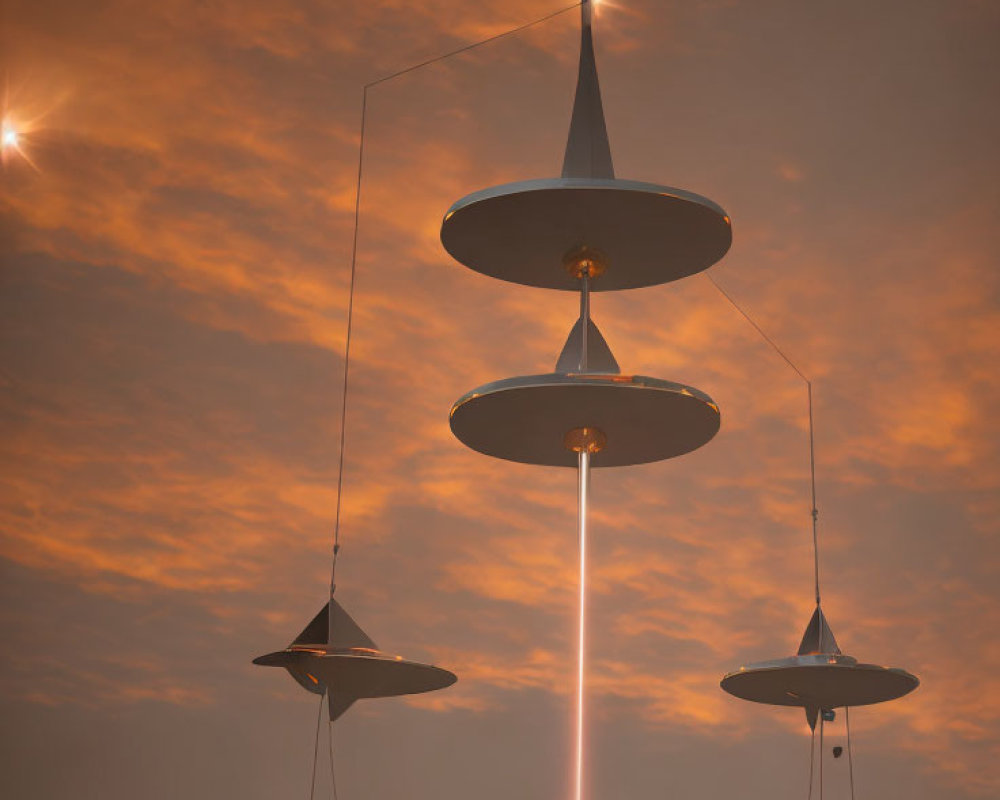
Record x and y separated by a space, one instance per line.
319 718
812 480
354 251
474 45
350 318
821 756
333 776
850 756
812 443
812 760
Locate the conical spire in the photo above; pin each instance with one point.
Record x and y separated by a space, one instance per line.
599 360
588 152
344 631
335 630
818 638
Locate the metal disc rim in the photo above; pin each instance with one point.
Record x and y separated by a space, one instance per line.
422 677
623 274
670 398
747 682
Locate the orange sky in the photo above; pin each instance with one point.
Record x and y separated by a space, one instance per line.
174 275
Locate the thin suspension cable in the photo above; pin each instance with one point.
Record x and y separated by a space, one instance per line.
583 468
812 441
333 776
354 252
319 718
850 756
757 327
347 343
812 760
468 47
821 754
812 480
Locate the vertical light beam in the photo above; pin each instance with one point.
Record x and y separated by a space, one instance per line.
583 468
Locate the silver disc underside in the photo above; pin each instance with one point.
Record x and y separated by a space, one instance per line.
525 419
362 676
648 234
822 681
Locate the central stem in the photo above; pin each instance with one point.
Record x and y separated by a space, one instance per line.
584 317
583 468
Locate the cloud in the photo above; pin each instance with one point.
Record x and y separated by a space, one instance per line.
173 328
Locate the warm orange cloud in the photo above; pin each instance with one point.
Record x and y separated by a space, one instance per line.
175 288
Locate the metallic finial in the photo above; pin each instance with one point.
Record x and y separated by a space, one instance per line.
588 152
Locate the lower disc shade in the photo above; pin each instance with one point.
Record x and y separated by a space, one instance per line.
362 676
819 682
526 419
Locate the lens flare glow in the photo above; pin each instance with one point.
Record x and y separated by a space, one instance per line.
12 143
25 121
600 6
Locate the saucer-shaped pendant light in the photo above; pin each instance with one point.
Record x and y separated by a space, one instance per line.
586 230
645 234
819 677
529 418
334 656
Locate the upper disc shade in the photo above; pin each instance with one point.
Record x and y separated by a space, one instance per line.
525 419
648 234
359 675
819 681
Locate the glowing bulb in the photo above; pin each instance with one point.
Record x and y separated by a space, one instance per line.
9 137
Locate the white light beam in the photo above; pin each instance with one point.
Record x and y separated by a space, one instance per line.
583 468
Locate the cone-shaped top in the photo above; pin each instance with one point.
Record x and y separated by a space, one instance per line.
600 360
818 638
337 630
588 152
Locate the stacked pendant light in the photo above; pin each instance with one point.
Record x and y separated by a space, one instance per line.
586 231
